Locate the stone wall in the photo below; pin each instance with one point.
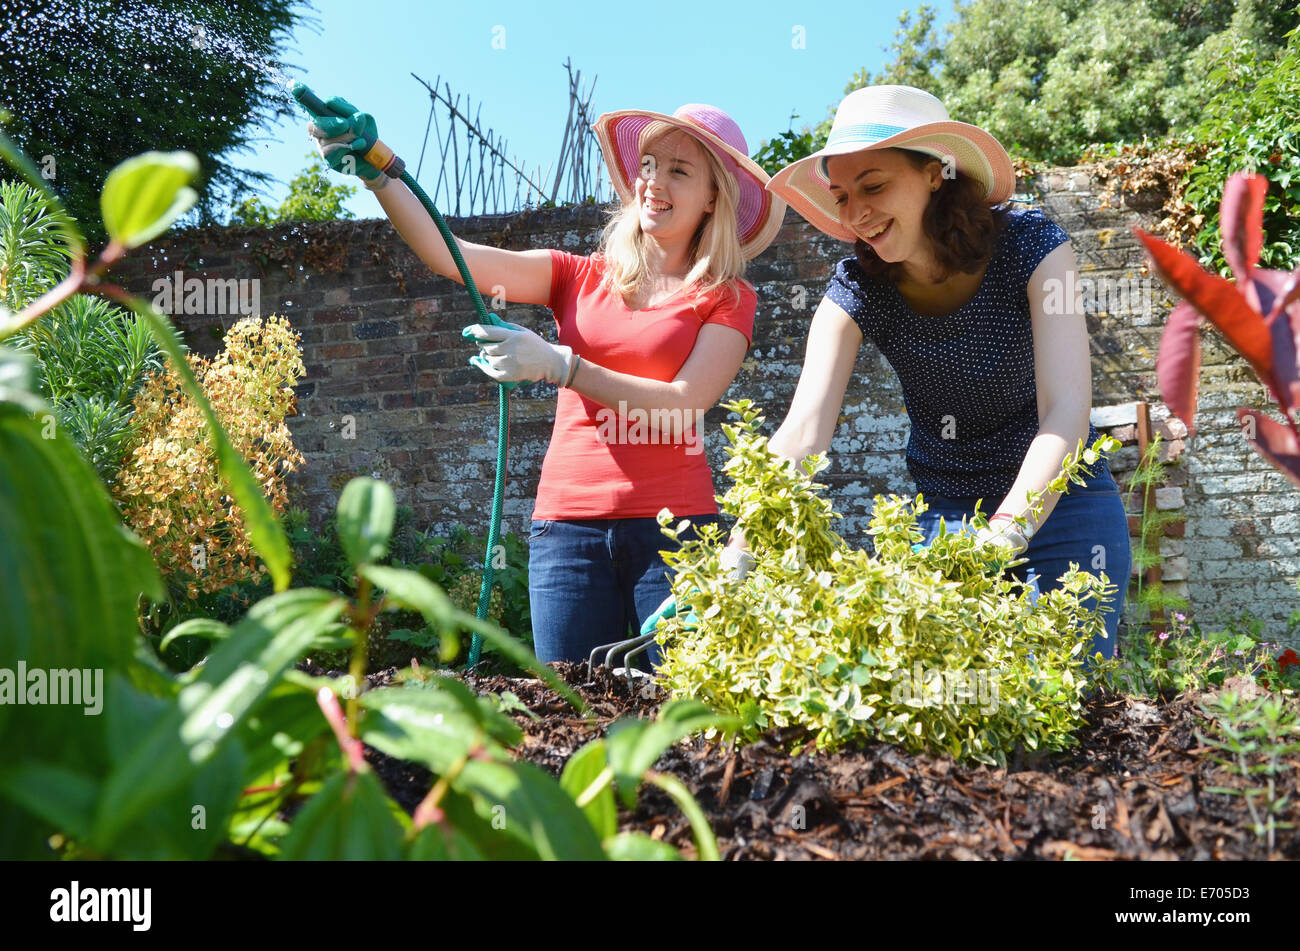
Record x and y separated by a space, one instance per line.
388 391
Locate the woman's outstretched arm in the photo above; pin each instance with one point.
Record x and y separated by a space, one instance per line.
523 277
833 342
1063 374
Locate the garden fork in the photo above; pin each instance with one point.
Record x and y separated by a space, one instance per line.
632 647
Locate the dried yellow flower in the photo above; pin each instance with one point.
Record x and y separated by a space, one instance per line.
170 489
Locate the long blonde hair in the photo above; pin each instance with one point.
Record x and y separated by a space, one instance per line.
714 257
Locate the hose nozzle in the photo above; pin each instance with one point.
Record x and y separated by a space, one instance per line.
372 151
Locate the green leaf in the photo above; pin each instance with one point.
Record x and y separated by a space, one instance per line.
634 746
70 579
526 804
282 724
430 727
15 157
639 847
144 195
350 819
482 828
483 710
705 843
191 820
443 843
61 796
366 511
195 627
586 767
411 590
264 529
239 673
18 378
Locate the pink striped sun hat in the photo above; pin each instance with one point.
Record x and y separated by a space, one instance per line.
901 117
622 135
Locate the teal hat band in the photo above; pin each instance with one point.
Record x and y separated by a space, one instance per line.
864 134
868 133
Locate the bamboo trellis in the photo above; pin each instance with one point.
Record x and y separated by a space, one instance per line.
476 176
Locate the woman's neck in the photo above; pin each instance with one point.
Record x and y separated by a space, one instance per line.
923 272
665 262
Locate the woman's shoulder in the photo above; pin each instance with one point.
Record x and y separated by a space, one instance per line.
849 276
1031 232
735 293
581 267
593 261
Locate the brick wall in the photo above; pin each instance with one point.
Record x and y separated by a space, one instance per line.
388 391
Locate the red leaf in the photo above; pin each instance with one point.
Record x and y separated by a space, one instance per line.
1219 300
1284 288
1178 364
1273 288
1241 220
1275 442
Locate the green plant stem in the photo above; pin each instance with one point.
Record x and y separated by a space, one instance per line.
363 618
428 810
286 791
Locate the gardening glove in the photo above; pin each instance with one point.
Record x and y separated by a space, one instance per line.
343 138
737 563
510 353
1004 532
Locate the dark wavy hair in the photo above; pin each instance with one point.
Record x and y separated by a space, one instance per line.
960 224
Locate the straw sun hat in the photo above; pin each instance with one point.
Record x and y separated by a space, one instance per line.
901 117
622 134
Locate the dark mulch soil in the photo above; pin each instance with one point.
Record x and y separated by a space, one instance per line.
1134 788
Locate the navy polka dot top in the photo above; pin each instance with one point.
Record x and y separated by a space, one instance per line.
967 377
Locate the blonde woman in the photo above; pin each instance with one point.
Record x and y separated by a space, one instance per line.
652 329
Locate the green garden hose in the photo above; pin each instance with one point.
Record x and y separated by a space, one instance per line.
485 316
388 163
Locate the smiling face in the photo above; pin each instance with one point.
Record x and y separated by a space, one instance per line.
881 196
674 189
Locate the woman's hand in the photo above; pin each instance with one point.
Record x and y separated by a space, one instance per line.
342 138
737 562
513 354
1003 532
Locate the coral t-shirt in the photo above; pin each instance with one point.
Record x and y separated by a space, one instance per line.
601 465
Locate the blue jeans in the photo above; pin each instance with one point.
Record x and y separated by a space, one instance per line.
595 581
1088 526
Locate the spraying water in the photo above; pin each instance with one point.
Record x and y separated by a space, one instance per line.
92 82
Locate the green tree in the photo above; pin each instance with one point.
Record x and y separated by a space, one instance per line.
88 84
1050 77
313 196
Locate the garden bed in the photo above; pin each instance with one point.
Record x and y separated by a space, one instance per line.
1134 788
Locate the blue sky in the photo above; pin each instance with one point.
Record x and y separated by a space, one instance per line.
655 55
